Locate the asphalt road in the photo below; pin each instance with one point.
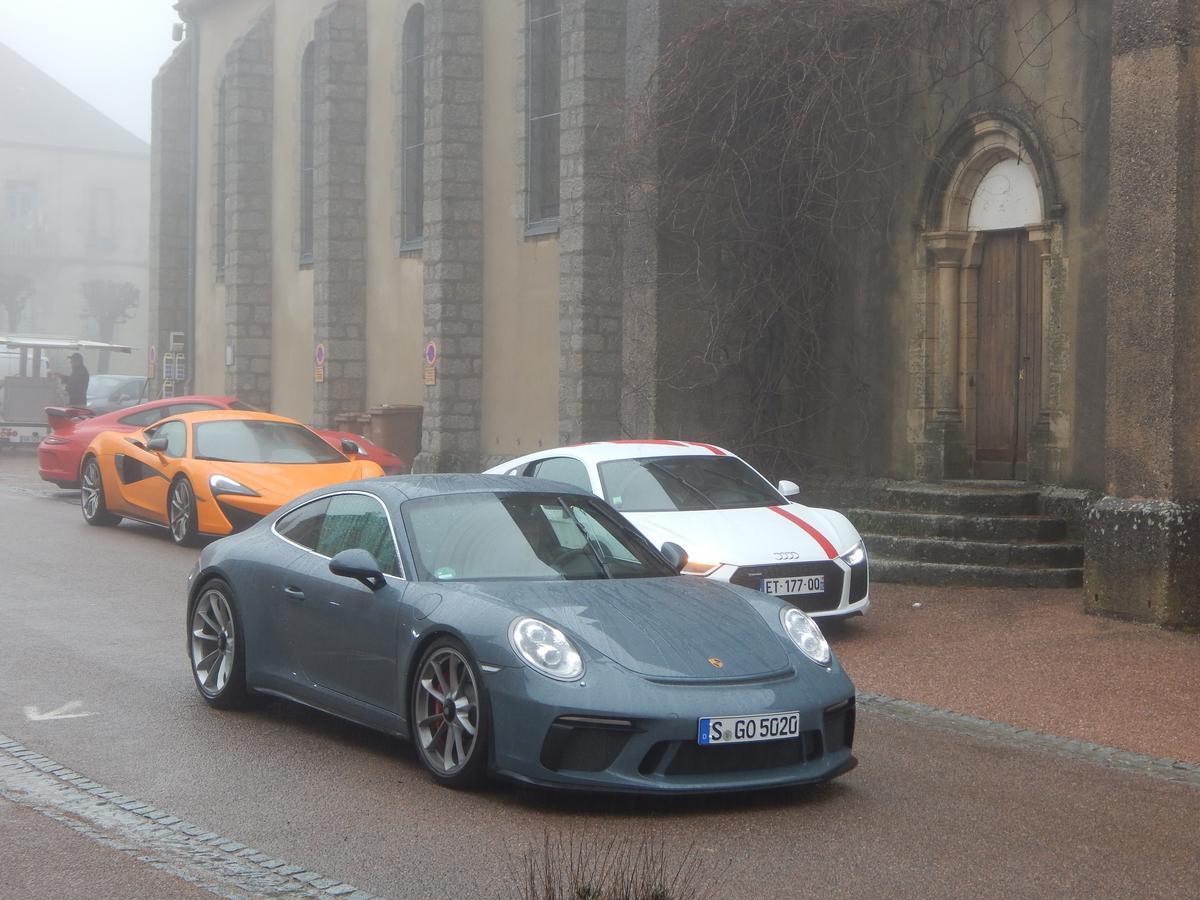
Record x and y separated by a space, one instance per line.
95 617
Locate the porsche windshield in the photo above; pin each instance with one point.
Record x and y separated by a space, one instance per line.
524 536
261 441
670 483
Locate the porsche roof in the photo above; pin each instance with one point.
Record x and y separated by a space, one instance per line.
412 487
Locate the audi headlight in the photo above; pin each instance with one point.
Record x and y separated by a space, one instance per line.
223 484
856 555
806 635
546 649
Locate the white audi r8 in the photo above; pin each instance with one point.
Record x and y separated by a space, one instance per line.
733 524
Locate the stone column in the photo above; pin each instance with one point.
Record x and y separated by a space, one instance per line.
173 97
453 244
593 94
1043 456
1143 539
249 102
943 453
340 208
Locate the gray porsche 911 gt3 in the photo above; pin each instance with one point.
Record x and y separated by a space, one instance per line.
521 628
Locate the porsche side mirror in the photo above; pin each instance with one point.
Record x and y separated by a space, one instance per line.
359 565
675 555
350 448
158 445
789 488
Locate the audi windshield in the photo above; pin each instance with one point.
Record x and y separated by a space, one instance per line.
684 483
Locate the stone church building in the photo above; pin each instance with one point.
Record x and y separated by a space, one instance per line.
419 191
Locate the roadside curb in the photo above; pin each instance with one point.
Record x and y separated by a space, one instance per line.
1173 770
153 836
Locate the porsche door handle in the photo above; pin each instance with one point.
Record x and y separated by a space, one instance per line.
294 593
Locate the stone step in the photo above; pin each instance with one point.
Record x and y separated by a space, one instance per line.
975 553
906 523
896 571
960 498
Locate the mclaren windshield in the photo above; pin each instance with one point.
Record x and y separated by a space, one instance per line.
525 536
260 441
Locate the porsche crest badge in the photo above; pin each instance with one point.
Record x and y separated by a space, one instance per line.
715 663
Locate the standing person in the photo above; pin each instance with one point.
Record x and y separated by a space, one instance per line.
77 381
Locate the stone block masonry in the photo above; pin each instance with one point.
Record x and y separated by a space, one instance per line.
340 208
248 117
453 242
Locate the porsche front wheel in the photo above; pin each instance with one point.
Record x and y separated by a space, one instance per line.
181 513
91 496
449 718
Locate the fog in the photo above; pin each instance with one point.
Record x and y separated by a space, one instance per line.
106 51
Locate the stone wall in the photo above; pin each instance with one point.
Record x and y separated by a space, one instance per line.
340 208
453 243
248 113
172 100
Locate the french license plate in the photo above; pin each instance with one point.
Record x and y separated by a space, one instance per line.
789 587
744 729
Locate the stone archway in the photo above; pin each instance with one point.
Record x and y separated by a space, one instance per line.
991 209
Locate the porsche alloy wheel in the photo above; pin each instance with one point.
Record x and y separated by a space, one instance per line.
449 716
214 643
181 513
91 496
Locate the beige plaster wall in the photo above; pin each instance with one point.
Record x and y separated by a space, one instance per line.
59 259
220 26
395 284
520 303
292 342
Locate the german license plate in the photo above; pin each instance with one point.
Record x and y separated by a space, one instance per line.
745 729
789 587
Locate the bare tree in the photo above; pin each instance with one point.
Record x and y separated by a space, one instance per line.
109 303
16 290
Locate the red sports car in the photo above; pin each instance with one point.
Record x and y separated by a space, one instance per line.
72 429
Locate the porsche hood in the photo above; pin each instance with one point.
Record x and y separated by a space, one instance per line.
681 628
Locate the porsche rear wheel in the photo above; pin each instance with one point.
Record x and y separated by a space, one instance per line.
91 496
181 513
450 720
216 646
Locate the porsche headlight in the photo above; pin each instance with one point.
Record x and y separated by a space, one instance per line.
223 484
546 649
856 555
806 635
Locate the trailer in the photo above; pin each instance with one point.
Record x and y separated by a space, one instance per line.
32 388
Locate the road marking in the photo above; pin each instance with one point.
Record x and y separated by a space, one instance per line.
66 711
204 858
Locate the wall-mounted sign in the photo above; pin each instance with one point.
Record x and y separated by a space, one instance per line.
319 355
431 354
430 375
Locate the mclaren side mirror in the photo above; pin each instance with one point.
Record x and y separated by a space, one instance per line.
350 448
359 565
158 445
789 488
675 555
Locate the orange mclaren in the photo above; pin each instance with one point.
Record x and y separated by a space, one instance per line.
209 473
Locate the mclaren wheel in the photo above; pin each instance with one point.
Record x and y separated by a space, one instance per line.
450 717
91 496
181 513
216 646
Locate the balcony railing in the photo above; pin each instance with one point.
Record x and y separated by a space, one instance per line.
27 241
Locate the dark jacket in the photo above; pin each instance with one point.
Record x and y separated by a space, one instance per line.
77 384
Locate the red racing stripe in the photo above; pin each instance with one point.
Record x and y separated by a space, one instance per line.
812 532
716 451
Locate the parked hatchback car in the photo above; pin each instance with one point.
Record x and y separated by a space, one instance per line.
734 525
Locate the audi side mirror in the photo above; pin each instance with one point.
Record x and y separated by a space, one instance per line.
359 565
789 488
675 555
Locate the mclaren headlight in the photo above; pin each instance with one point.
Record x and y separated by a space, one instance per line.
856 555
223 484
806 635
545 649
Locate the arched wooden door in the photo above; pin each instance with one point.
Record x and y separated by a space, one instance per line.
1009 357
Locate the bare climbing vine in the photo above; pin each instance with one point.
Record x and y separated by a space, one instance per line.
775 132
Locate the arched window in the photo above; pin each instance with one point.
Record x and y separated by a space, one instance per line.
222 188
308 103
545 75
412 128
